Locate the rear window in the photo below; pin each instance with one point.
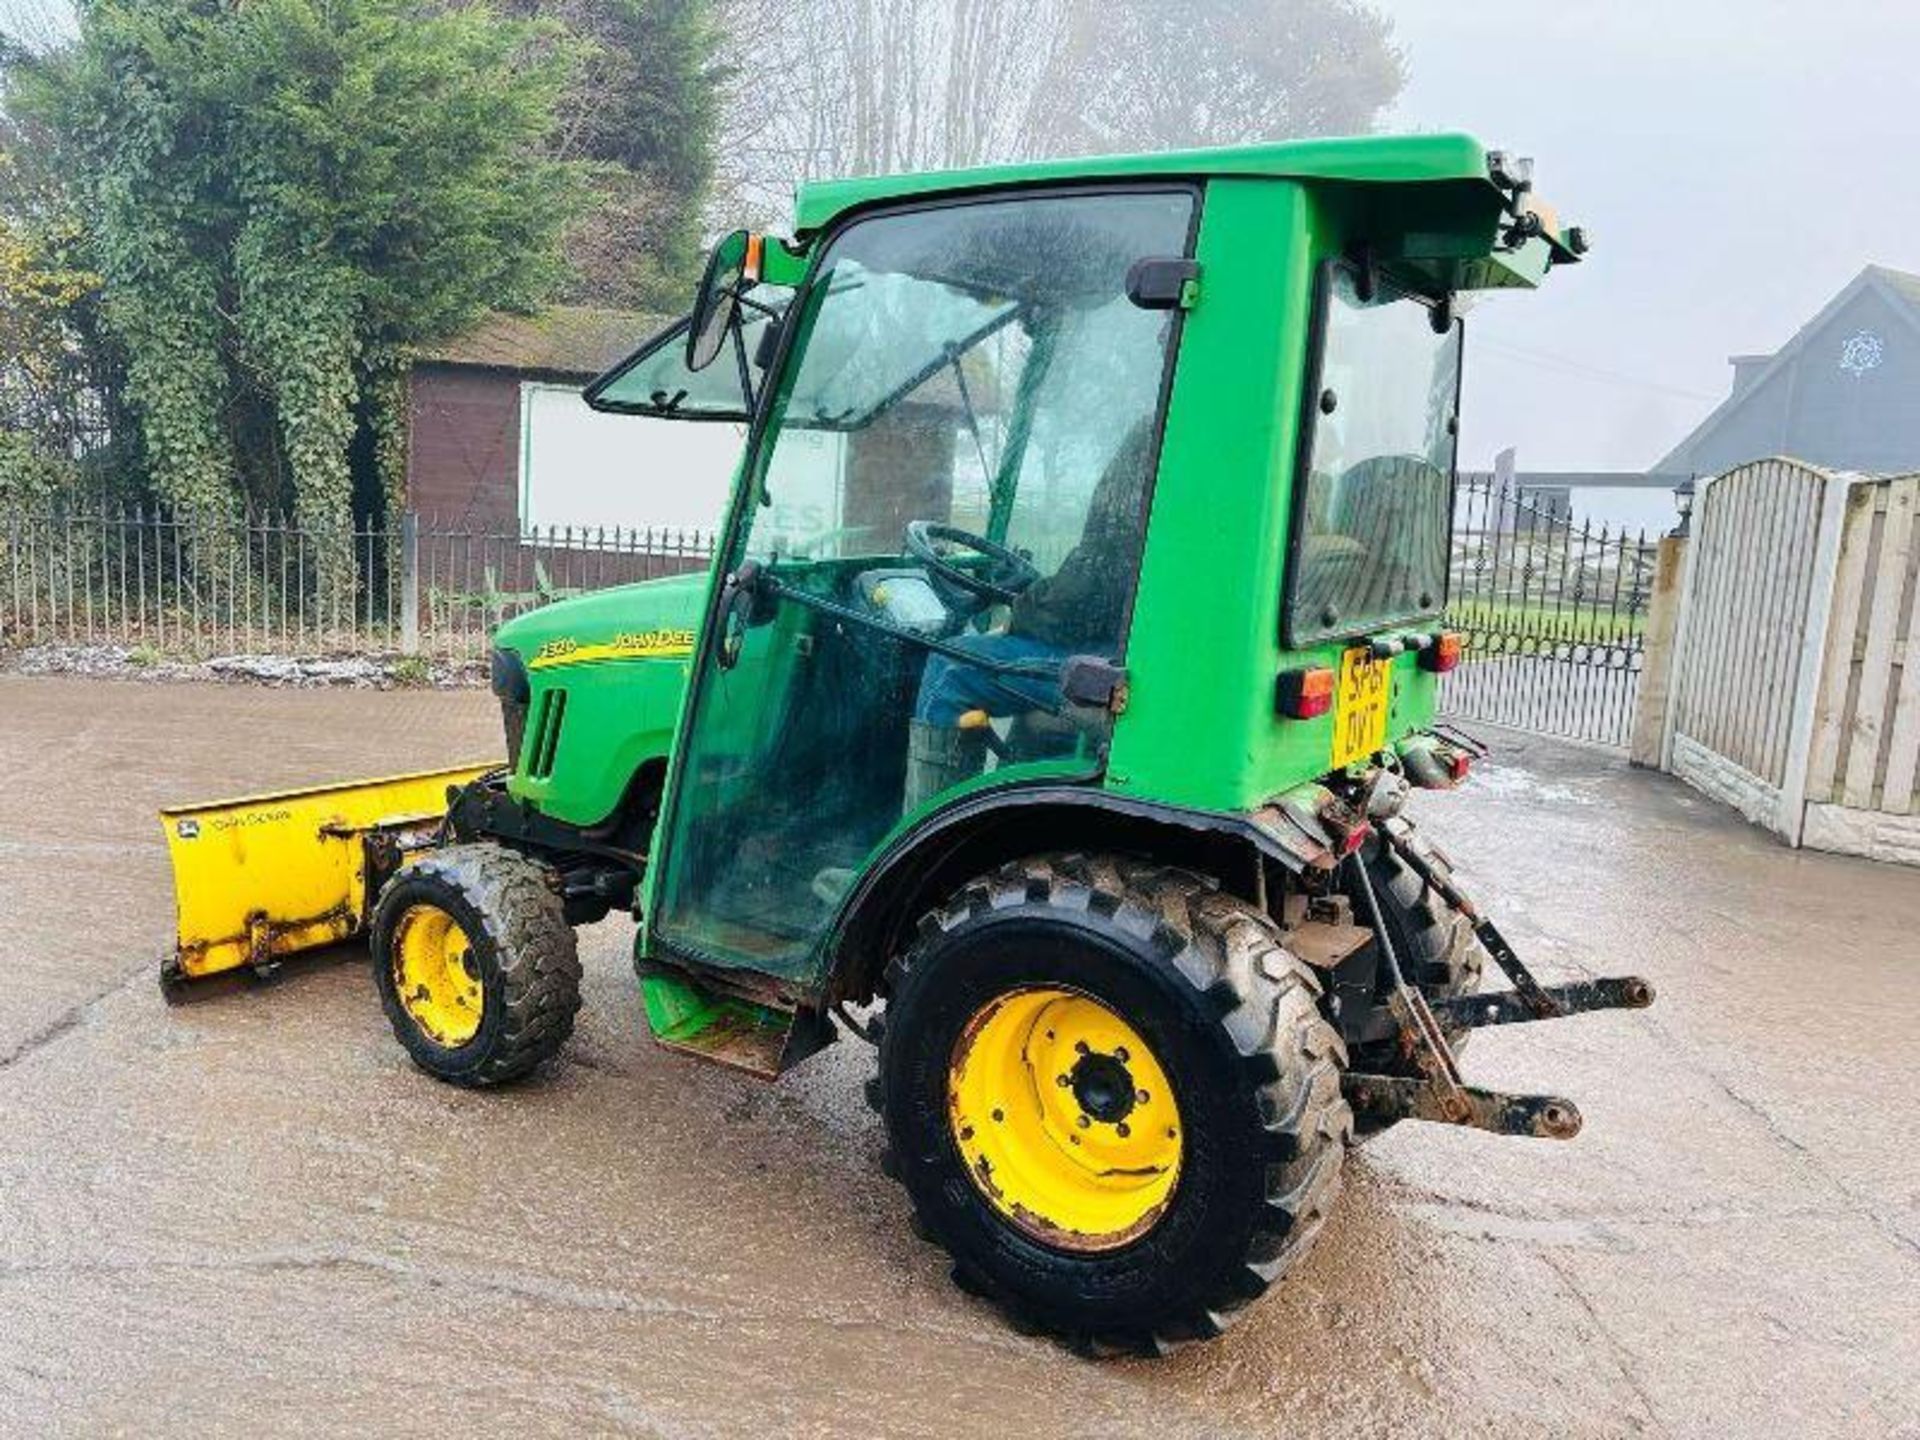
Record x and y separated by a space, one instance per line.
1373 503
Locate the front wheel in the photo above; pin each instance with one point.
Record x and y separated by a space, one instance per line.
478 970
1112 1098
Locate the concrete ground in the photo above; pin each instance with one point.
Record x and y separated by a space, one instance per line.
252 1215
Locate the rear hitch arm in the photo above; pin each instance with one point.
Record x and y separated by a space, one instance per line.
1507 1007
1438 1092
1625 992
1395 1097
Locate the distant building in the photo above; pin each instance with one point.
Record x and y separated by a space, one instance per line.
1844 392
499 437
1506 500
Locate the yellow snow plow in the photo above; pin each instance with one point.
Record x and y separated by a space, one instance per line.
267 876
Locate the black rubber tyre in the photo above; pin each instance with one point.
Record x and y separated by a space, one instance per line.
521 950
1233 1019
1435 943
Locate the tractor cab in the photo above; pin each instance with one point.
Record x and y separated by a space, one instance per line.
976 403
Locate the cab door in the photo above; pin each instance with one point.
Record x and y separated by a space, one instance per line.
978 365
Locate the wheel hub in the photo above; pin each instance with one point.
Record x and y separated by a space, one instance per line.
1065 1119
1104 1088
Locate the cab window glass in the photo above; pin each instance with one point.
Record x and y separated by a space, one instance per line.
1373 522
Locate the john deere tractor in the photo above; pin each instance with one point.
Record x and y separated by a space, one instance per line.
1047 718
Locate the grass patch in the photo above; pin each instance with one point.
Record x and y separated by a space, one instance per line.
410 670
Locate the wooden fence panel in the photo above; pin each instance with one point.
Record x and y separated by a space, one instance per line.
1867 735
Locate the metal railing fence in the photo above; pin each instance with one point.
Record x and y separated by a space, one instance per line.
195 585
1554 611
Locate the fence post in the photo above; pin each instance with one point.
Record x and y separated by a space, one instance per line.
1656 667
409 583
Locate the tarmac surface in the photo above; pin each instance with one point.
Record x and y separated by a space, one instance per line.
252 1215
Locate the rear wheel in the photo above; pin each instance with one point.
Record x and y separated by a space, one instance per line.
477 967
1111 1097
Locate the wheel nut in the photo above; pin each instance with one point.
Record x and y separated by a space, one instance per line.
999 1114
1064 1081
1141 1096
1080 1047
1120 1054
1084 1122
1122 1128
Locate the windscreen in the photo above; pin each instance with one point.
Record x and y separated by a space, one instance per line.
1371 544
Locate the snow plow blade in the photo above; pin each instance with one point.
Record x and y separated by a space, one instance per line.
261 878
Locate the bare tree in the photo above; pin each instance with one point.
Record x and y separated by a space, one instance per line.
1145 76
860 87
856 87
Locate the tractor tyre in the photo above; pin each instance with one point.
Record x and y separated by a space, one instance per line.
1438 951
478 970
1112 1099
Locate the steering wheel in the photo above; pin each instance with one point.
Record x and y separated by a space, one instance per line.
963 588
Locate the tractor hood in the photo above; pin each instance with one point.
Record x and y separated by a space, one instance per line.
651 620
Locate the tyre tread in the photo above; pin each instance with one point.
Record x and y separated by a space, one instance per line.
1266 1000
520 909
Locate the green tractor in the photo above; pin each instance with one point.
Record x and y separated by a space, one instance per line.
1046 719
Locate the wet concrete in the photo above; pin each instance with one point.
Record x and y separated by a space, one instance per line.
252 1214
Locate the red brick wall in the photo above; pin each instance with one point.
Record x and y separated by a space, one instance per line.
463 460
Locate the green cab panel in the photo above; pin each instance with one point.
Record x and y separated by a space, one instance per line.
607 673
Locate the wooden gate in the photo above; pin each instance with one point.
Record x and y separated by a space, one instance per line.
1749 638
1793 699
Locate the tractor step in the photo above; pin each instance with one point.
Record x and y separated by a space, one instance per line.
730 1030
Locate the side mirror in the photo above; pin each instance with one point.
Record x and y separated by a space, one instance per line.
717 304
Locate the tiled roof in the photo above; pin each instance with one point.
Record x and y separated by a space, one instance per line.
560 340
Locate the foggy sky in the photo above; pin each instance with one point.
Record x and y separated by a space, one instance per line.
1736 161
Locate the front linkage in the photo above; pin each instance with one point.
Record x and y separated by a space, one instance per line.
1438 1091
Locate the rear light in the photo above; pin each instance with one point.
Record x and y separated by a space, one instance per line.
1458 764
1304 694
1444 653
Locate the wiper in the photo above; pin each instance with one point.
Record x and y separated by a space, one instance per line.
667 404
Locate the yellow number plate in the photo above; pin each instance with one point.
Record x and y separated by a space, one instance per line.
1360 710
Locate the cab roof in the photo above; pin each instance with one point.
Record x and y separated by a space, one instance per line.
1367 159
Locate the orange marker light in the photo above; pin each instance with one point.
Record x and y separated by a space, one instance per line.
1304 694
756 249
1444 653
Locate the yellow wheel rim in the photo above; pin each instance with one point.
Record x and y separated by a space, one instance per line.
434 975
1065 1119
